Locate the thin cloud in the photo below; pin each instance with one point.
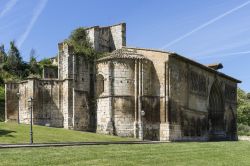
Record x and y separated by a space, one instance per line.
222 48
33 20
8 7
226 55
205 24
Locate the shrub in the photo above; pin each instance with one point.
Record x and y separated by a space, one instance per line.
243 129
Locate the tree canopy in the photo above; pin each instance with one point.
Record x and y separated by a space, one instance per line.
79 40
81 44
3 55
243 108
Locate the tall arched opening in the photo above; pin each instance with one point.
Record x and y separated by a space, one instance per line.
216 126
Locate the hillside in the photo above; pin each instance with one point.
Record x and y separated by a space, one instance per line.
19 133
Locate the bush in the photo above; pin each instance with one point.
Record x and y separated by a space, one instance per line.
243 129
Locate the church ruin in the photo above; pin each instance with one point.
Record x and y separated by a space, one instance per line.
132 92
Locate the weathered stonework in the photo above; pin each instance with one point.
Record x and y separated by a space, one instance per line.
50 72
107 39
182 100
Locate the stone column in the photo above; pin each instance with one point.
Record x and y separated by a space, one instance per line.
164 126
136 100
110 125
140 82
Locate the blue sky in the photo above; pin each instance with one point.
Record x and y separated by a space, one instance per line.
207 31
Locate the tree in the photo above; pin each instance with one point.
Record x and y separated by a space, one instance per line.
80 42
14 59
45 61
34 67
248 96
3 55
243 108
14 63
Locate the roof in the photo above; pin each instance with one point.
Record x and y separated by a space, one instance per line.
173 54
122 53
205 67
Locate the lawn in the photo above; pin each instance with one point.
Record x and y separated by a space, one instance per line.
208 153
19 133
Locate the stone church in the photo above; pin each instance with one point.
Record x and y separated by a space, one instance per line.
133 92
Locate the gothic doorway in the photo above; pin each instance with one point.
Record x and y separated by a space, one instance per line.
216 113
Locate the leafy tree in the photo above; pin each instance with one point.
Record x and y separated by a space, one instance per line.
3 55
45 61
248 96
243 108
14 60
81 44
14 63
33 64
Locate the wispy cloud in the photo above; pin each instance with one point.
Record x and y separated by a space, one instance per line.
8 7
215 51
225 55
38 10
205 24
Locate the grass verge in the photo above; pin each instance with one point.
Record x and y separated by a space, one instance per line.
19 133
208 153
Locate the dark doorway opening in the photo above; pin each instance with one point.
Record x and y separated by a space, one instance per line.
216 126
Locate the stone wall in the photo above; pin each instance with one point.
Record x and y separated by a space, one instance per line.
67 104
107 39
190 87
65 65
47 104
118 33
25 91
118 86
156 91
81 115
76 73
115 104
50 72
11 102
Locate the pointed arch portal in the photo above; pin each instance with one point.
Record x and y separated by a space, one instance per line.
216 113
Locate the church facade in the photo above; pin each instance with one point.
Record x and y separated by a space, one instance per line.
132 92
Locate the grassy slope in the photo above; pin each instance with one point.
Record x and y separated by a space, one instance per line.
210 153
14 133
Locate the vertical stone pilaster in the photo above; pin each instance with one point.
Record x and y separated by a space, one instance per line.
110 125
140 124
164 132
136 100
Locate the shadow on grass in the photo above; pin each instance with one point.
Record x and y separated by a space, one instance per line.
6 133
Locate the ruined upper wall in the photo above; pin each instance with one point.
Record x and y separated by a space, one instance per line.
107 39
11 101
65 65
50 72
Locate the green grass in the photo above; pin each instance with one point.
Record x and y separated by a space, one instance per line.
208 153
19 133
